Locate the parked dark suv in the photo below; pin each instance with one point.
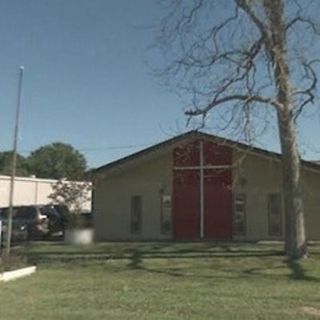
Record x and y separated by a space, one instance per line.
59 216
29 222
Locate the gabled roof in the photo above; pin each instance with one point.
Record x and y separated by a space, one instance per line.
191 135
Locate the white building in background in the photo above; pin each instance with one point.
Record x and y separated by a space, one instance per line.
30 191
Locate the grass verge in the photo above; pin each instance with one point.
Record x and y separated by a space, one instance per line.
164 281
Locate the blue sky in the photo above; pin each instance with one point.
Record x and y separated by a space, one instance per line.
86 80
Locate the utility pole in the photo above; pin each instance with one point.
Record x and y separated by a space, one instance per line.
14 160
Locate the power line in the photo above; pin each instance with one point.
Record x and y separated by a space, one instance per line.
117 147
89 149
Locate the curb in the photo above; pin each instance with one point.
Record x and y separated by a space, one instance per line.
16 274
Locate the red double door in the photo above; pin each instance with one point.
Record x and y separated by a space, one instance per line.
202 211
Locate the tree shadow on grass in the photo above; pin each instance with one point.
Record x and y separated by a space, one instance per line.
138 258
298 272
136 261
135 256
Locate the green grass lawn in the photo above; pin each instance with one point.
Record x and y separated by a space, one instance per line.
164 281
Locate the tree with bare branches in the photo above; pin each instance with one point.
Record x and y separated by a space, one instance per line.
73 194
242 58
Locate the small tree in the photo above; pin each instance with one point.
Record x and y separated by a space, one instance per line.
72 194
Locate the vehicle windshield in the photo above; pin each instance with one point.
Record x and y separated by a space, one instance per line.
19 213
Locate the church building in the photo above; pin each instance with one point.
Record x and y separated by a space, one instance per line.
198 186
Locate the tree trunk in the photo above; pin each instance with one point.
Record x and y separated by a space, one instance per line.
295 240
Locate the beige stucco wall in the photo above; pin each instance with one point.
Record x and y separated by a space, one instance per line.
30 191
311 191
256 177
259 176
113 195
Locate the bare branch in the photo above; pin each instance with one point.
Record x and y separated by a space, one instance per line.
237 97
304 20
309 91
260 25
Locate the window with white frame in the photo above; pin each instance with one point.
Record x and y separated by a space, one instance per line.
239 216
166 223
